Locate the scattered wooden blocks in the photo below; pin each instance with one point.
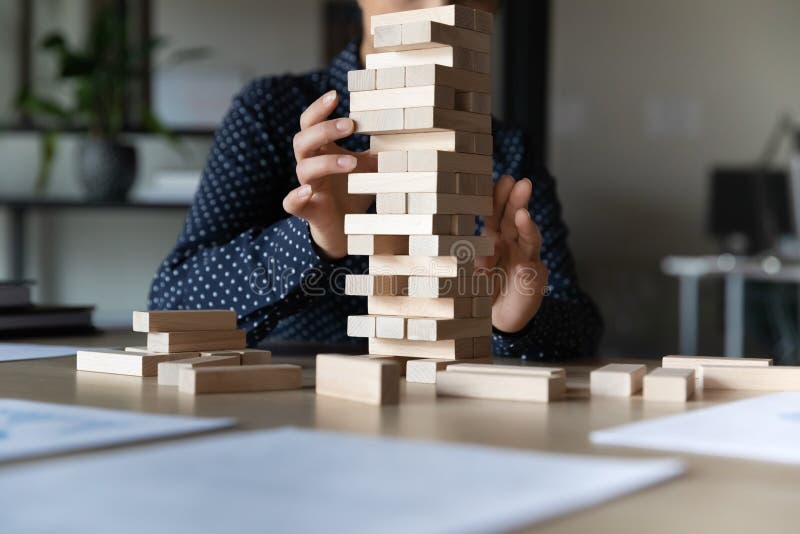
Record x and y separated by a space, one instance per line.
121 362
424 371
239 379
360 379
698 362
183 321
500 386
617 380
672 385
527 370
168 371
206 340
753 378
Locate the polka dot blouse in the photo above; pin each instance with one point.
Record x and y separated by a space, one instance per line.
239 250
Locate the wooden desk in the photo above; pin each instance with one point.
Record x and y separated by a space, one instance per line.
715 495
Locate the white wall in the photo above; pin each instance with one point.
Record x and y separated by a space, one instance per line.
646 96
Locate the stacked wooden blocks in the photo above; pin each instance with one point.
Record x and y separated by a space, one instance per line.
424 99
199 351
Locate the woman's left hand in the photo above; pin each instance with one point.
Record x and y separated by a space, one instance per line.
516 258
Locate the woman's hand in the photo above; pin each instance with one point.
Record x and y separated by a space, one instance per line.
522 274
322 169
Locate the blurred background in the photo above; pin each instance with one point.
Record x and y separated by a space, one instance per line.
669 124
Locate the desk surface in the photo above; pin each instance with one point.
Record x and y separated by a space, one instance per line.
715 495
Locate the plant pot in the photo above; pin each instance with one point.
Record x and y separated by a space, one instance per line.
106 169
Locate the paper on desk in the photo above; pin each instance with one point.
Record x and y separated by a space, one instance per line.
30 429
24 351
763 428
307 481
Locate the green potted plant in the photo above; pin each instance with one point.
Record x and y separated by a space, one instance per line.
99 76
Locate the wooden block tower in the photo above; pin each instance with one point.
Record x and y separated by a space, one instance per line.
425 100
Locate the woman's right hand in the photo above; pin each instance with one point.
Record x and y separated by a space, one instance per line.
322 168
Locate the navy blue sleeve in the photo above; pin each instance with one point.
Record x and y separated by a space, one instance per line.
238 249
568 324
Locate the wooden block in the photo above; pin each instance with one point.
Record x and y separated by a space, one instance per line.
367 223
141 349
448 203
383 120
674 385
168 371
482 306
500 386
183 321
484 144
697 363
403 97
361 326
431 287
393 161
368 285
443 308
240 379
358 378
436 266
752 378
459 79
447 349
447 56
482 345
478 184
463 225
453 15
120 362
453 141
617 380
390 327
401 361
247 356
377 244
390 203
437 160
429 118
484 21
527 370
424 371
431 34
448 245
390 78
390 35
472 102
361 80
196 341
370 183
437 329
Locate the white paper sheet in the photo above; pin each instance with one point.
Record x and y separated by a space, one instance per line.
307 481
30 429
10 352
763 428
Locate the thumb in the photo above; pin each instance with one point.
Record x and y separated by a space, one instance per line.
297 201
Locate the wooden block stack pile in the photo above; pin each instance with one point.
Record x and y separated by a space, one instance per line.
200 351
424 99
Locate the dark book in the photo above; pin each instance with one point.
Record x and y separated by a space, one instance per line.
15 294
44 319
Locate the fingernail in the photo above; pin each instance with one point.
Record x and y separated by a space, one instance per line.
328 98
528 180
343 124
304 191
346 162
